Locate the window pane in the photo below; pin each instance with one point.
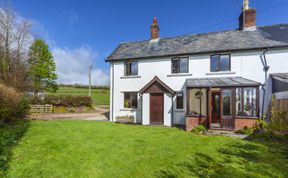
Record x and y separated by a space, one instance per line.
175 65
127 100
250 106
238 102
214 63
134 68
134 100
197 99
126 68
225 63
184 65
179 101
130 100
226 97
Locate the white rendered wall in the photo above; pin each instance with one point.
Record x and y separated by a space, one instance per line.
146 109
167 110
243 64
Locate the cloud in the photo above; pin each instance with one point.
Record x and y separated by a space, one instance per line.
73 64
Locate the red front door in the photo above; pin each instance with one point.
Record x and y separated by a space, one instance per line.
215 107
156 108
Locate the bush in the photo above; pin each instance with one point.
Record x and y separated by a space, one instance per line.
62 100
22 108
279 120
12 104
200 129
246 130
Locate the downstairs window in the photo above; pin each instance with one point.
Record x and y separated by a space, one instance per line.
130 100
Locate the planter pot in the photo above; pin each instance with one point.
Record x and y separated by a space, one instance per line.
127 120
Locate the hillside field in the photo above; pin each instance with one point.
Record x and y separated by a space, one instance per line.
99 96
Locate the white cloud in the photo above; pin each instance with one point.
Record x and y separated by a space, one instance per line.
73 64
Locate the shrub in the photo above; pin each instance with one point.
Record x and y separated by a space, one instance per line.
63 100
246 130
22 108
12 104
200 129
279 120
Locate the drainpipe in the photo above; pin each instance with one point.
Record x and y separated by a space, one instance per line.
264 86
112 91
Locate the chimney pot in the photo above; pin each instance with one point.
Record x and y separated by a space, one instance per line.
154 29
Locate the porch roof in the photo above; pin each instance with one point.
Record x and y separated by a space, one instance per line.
221 82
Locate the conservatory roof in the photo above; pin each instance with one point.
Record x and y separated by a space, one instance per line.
221 82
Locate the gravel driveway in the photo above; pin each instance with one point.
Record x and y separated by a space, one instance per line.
100 114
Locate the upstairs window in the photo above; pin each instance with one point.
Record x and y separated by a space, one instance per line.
180 65
220 63
131 68
179 101
130 100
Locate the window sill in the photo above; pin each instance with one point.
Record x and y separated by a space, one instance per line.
131 76
221 73
179 110
129 109
246 117
179 75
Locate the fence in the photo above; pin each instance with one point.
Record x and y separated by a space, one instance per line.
41 109
281 104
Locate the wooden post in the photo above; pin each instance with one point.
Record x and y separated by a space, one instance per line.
209 107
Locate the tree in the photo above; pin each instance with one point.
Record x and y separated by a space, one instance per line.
15 39
42 67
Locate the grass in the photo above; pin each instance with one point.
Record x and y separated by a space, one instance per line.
99 96
98 149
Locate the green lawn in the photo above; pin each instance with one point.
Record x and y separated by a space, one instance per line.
99 96
98 149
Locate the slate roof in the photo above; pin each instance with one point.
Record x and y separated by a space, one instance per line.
280 75
221 82
225 41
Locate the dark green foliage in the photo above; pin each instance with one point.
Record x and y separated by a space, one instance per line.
200 129
246 130
63 100
10 134
42 67
22 108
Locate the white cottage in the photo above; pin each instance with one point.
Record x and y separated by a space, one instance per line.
223 80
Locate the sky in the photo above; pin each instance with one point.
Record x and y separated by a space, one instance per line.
84 32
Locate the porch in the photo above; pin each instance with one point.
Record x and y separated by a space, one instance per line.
229 103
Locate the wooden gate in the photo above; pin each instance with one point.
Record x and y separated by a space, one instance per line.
41 110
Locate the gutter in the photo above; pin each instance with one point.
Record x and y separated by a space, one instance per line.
264 86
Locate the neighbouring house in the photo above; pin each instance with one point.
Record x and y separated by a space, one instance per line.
224 80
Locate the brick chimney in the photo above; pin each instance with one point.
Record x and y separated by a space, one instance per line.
154 29
247 19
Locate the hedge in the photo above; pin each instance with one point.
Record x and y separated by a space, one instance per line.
62 100
12 104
